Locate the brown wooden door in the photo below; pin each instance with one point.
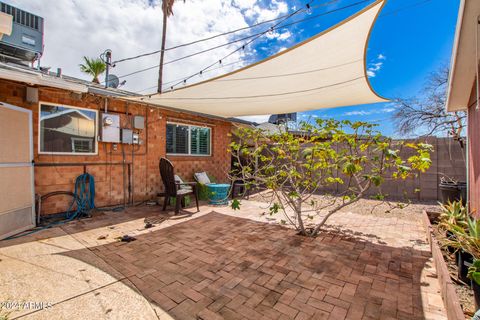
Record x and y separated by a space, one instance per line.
17 204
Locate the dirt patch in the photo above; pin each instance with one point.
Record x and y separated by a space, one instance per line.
371 207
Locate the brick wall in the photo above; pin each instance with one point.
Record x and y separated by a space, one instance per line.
141 171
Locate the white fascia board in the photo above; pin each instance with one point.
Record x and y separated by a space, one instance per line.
35 78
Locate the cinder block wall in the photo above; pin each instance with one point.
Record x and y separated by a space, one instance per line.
447 160
144 177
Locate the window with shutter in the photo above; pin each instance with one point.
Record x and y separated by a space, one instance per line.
177 139
200 140
188 140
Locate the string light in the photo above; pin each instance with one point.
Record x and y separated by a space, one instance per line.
185 82
257 35
271 30
309 9
215 36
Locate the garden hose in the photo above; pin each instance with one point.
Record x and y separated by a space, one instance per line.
83 198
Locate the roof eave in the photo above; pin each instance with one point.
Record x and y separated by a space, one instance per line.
456 81
34 78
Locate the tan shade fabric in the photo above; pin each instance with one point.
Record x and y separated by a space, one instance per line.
325 71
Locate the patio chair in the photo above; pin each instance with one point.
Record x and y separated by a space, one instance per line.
175 189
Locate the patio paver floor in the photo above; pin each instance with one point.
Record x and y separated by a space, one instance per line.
218 265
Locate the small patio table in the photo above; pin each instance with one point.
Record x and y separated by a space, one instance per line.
218 193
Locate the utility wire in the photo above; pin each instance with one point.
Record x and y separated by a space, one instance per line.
254 36
342 8
212 37
262 33
308 7
291 74
181 78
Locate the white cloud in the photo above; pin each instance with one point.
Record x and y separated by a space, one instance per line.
387 109
279 36
77 28
257 119
263 13
375 66
245 4
282 49
357 113
284 36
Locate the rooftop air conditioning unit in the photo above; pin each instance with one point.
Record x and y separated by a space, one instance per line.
283 118
25 44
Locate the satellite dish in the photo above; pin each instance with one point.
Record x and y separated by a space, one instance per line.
112 81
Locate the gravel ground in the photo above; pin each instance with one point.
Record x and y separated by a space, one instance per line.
371 207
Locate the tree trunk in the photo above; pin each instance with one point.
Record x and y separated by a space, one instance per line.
298 212
162 53
324 220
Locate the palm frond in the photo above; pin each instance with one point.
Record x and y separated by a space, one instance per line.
94 67
167 7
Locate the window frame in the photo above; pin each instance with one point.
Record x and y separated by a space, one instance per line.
66 153
189 154
81 139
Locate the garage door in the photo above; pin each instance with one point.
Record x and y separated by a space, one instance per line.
17 212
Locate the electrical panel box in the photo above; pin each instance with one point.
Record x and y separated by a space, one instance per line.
136 138
110 128
139 122
127 136
31 95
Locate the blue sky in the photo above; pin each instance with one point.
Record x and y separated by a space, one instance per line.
410 39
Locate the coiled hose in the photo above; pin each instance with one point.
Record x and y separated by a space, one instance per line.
83 200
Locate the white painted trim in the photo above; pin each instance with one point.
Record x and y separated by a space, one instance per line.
453 59
189 154
67 153
36 78
14 164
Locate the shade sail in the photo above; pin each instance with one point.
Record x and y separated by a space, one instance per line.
325 71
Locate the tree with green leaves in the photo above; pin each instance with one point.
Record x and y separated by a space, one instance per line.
295 166
94 67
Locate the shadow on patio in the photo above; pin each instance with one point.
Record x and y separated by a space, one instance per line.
221 266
